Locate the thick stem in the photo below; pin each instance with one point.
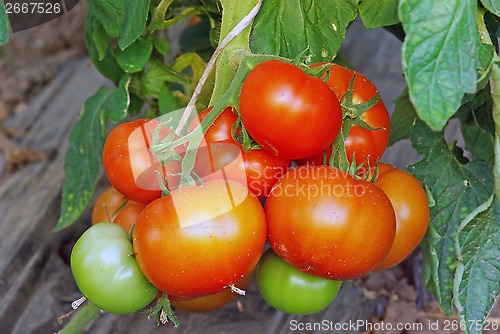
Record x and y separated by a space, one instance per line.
85 315
234 34
232 55
495 74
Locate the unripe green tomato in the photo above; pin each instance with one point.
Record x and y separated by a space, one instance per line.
290 290
106 271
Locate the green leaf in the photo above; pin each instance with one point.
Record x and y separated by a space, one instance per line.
135 105
492 5
476 120
166 100
161 45
134 24
457 191
439 55
118 101
82 163
379 13
148 82
100 40
134 58
289 27
111 13
105 63
402 118
477 279
4 25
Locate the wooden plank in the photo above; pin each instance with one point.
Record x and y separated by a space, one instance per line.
30 198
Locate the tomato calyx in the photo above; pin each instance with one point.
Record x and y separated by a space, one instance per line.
351 115
163 312
241 136
352 111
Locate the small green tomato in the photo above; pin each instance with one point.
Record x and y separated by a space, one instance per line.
106 270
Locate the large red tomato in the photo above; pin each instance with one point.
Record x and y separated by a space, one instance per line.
412 212
287 112
199 240
329 224
131 168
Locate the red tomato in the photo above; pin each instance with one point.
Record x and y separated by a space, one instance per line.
128 216
130 166
366 145
287 112
257 169
329 224
221 129
107 205
412 212
211 302
199 240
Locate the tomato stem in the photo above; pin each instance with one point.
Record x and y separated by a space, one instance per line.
235 14
81 319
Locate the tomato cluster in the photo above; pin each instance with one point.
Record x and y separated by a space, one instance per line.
266 169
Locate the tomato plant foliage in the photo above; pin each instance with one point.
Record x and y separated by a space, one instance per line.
4 25
449 60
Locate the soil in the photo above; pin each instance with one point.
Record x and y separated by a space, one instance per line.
32 58
27 63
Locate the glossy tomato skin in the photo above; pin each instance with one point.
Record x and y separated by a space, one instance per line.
221 128
128 216
199 240
292 291
130 166
411 208
107 205
257 169
106 273
211 302
326 223
287 112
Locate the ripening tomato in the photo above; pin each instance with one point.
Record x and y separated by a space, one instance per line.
258 169
128 216
106 273
199 240
411 208
292 291
287 112
211 302
221 128
327 223
131 168
107 205
364 144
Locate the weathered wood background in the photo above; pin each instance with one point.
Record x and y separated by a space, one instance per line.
36 286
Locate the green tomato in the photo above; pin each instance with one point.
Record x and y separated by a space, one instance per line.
290 290
106 271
